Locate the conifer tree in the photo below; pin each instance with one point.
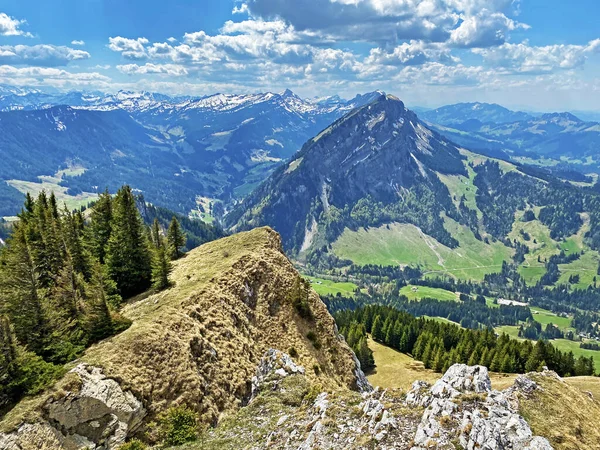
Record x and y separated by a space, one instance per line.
161 268
127 255
155 234
100 227
99 321
377 329
74 244
175 239
20 297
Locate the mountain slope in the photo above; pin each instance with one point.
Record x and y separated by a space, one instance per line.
376 156
172 149
198 343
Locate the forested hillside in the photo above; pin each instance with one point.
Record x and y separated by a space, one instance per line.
65 274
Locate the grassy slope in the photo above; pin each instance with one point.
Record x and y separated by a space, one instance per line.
406 244
398 370
427 292
563 413
328 287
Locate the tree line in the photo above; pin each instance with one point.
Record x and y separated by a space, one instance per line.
440 345
470 312
63 277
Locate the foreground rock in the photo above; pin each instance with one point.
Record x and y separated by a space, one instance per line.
462 408
95 413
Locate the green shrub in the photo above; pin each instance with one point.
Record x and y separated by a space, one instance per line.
312 337
178 426
293 352
134 444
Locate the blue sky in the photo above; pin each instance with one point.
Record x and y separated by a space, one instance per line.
534 54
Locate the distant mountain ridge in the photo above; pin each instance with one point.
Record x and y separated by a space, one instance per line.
482 112
172 149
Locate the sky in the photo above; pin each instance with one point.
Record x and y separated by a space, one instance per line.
537 55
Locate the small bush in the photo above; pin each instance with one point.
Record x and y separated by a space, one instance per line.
312 337
312 394
134 444
178 426
293 352
317 369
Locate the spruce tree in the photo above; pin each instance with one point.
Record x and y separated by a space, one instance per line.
20 291
175 239
99 230
74 244
99 322
127 255
155 234
161 268
377 329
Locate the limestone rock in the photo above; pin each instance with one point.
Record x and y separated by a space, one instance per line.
273 367
462 406
98 415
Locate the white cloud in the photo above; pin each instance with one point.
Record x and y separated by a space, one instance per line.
410 54
50 76
40 55
485 29
480 22
9 26
129 48
149 68
524 58
76 42
101 66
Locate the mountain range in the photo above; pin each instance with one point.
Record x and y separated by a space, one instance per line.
173 150
188 152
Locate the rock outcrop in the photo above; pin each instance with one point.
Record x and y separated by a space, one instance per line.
98 413
461 407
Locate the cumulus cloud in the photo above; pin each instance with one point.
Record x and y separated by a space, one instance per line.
524 58
50 76
485 29
129 48
40 55
149 68
410 54
9 26
77 42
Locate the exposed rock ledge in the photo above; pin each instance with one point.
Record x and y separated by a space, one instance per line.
462 408
98 415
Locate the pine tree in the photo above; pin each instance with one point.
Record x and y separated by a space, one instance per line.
98 318
8 356
155 234
377 329
20 297
127 255
175 239
100 227
161 268
74 244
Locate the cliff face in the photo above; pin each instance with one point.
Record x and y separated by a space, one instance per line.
198 343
